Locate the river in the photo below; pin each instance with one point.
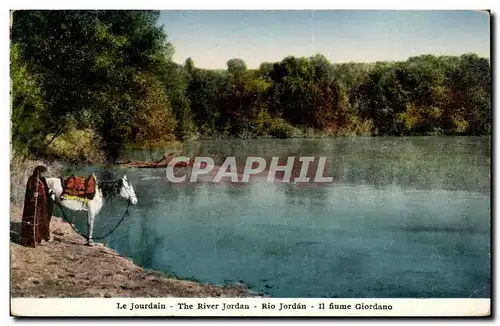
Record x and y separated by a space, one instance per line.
404 217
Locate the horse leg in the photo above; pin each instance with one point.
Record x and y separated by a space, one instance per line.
90 225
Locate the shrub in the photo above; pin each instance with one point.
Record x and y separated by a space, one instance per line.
76 146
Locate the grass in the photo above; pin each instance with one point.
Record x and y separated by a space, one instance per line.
20 171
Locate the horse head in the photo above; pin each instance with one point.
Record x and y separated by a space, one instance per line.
127 191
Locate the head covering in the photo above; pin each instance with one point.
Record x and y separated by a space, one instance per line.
39 170
37 210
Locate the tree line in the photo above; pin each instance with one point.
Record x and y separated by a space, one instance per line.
111 73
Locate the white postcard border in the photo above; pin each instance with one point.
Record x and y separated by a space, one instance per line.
248 307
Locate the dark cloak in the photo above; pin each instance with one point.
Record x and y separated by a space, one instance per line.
37 210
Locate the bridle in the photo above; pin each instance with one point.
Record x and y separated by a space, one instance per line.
114 187
114 184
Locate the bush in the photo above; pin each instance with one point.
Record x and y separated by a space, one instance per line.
279 128
76 146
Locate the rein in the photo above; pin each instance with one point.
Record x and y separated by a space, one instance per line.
113 183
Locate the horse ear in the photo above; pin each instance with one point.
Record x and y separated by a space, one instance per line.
124 177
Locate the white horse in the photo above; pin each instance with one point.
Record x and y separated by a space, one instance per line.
93 207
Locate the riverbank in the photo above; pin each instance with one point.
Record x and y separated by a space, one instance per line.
66 267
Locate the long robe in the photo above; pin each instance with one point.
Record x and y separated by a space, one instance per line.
36 212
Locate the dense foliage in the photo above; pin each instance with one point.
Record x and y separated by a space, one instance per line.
111 73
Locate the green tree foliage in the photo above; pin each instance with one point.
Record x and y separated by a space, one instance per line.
103 70
427 95
421 96
112 72
204 93
29 113
236 66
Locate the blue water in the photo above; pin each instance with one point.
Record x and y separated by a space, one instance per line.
404 217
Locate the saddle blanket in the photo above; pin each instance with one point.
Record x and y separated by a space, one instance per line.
79 188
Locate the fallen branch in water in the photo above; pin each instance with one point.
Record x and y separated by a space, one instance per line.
161 163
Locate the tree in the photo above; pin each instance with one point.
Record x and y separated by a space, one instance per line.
189 65
112 72
236 66
97 69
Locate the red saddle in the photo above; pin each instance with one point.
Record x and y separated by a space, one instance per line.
80 187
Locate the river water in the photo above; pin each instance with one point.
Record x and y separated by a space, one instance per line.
404 217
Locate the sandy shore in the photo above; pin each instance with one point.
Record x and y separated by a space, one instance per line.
66 267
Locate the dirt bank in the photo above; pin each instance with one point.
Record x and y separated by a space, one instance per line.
66 267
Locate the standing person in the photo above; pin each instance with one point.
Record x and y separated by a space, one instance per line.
37 210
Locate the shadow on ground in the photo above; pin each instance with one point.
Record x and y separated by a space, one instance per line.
15 231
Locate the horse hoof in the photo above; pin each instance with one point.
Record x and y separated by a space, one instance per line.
90 244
